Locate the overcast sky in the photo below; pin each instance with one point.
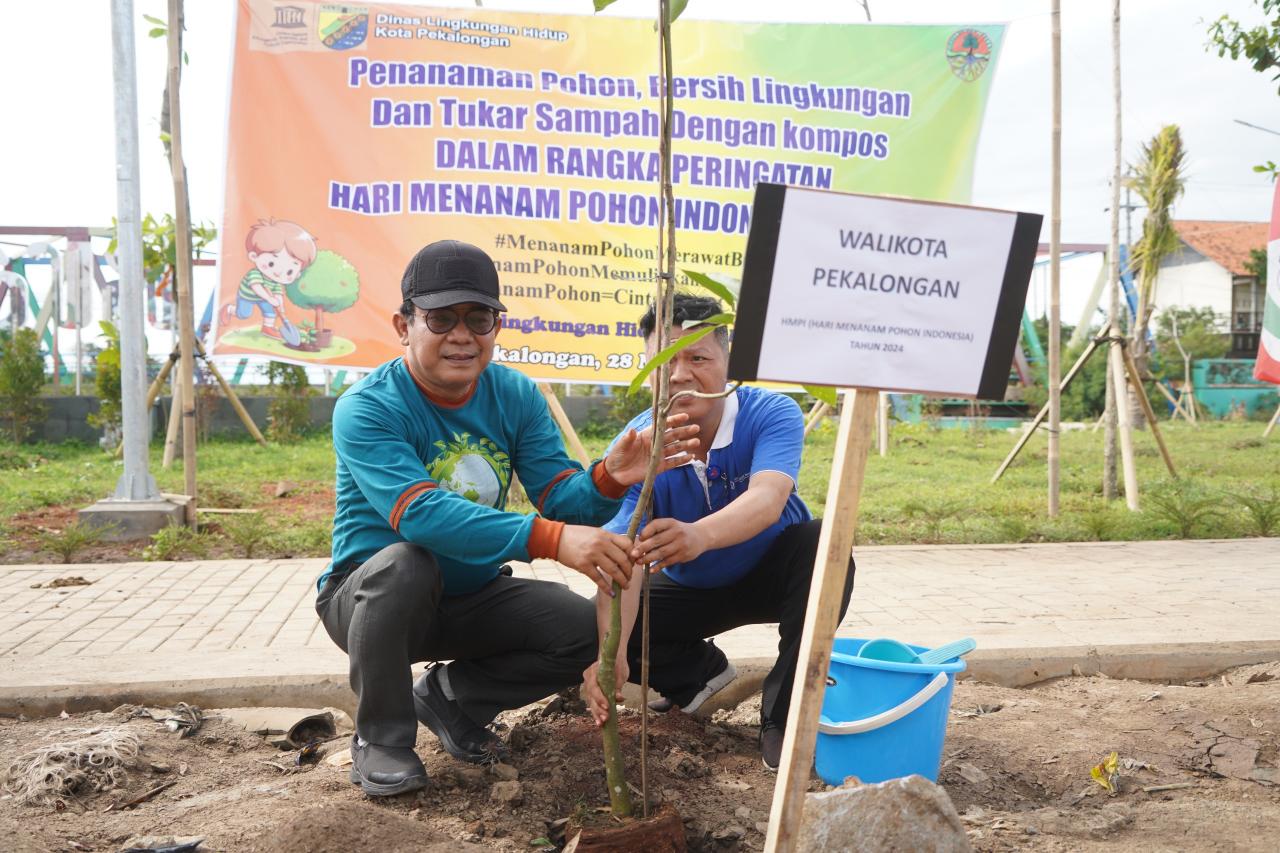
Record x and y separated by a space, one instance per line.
57 149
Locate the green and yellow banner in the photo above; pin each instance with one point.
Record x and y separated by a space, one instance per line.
359 134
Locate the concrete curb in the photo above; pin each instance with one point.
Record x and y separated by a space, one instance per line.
1007 667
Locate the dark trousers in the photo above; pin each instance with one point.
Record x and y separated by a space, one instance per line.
775 590
512 642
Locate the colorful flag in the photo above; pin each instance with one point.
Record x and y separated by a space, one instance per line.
1267 367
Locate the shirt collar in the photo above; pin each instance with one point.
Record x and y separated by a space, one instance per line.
724 432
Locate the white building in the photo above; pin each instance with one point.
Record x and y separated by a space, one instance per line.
1208 269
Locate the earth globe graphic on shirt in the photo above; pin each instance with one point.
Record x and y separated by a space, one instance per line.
473 468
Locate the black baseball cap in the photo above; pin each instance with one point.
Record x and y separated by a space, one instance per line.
449 272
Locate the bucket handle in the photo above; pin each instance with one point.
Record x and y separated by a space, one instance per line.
884 718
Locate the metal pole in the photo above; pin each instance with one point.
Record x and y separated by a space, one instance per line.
136 483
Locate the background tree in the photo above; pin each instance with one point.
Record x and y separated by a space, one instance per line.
21 379
330 284
1257 265
1198 330
1159 179
106 380
1259 45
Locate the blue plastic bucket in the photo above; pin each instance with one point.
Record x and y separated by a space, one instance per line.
882 719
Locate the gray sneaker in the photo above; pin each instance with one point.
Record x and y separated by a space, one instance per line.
714 685
382 771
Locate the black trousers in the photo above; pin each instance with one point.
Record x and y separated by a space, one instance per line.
512 642
681 617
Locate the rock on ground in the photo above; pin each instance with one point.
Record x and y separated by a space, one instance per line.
910 814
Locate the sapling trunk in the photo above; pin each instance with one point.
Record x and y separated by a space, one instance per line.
614 765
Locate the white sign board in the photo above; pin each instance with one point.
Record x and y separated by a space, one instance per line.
874 292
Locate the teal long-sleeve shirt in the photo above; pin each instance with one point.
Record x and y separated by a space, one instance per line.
412 469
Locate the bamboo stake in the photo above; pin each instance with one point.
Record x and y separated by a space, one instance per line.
822 617
182 241
1125 428
153 393
1044 410
1176 402
816 414
1055 266
1141 393
566 426
1113 261
232 397
1274 419
171 434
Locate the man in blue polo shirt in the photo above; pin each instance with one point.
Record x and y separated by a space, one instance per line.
733 540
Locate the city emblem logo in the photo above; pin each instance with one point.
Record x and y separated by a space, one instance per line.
343 27
968 53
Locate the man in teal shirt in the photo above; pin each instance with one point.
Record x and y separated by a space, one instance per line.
426 448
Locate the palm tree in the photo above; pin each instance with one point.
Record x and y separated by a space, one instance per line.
1157 177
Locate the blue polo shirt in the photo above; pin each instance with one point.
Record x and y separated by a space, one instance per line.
760 430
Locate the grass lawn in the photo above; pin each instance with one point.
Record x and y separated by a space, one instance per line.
932 487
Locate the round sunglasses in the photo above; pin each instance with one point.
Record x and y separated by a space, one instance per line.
479 321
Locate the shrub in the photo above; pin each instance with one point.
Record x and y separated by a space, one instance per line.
288 413
174 542
934 513
106 380
72 539
21 378
247 531
1184 504
1098 524
1262 508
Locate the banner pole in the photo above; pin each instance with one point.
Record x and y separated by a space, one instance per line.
835 543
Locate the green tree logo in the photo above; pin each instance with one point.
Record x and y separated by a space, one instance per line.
330 284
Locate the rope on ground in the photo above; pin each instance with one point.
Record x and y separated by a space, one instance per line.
47 774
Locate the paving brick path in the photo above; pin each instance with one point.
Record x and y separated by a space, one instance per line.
144 622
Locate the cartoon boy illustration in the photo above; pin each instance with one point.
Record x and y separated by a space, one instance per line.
280 250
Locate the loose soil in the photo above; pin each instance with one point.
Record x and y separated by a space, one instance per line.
1017 766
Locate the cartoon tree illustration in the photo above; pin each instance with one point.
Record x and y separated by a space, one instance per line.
330 284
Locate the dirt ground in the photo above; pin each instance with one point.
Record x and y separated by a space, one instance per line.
303 504
1017 766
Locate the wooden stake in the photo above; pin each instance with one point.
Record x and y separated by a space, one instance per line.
1113 258
182 241
171 434
822 616
1044 411
816 414
1125 427
231 396
153 393
882 424
1055 264
1274 419
566 426
1141 393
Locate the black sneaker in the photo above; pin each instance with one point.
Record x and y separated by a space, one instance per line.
713 685
460 737
382 771
771 745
